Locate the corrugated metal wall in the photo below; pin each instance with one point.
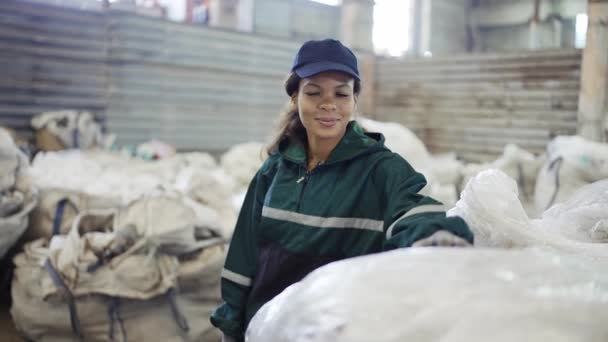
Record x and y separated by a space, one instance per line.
300 19
191 86
200 88
194 87
310 20
475 104
50 58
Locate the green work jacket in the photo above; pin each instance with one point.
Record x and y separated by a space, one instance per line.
364 199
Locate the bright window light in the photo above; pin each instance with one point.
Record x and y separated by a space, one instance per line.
391 33
329 2
582 21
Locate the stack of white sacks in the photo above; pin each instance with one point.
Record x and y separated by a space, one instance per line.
72 128
148 271
124 248
97 179
571 163
17 196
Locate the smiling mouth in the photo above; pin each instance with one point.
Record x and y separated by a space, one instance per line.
327 122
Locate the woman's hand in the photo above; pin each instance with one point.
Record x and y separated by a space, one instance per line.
442 238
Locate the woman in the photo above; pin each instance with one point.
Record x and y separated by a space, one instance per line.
328 191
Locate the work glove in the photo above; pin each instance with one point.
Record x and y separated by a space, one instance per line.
442 238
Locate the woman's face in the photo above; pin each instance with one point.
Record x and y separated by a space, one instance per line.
326 103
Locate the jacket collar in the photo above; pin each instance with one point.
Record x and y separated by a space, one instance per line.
354 143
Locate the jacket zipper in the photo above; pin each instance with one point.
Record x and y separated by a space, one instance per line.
304 179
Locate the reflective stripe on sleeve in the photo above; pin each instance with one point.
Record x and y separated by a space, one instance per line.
427 208
236 278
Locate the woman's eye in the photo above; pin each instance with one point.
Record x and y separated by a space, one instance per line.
313 94
342 95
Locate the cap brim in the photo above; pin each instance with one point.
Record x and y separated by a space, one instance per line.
319 67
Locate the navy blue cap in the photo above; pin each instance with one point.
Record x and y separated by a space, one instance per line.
316 56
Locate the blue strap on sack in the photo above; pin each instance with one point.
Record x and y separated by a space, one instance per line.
74 321
181 321
75 138
58 217
555 165
114 316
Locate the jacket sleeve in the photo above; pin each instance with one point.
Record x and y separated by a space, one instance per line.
410 216
240 266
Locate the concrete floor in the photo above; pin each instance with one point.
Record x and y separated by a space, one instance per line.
8 333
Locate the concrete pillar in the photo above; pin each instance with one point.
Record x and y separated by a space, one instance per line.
558 31
425 26
593 98
534 38
176 9
245 15
416 28
231 14
367 70
223 13
420 27
357 24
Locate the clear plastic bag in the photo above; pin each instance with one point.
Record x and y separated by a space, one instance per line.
583 217
447 295
490 206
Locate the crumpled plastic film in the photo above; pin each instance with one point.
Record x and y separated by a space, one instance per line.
490 206
583 217
441 294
